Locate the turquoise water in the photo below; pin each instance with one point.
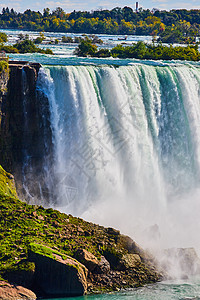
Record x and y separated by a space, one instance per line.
160 291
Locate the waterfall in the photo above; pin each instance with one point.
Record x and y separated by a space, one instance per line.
125 145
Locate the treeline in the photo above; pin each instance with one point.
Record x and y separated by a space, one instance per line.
140 50
172 26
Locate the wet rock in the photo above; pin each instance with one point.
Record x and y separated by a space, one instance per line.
15 292
57 275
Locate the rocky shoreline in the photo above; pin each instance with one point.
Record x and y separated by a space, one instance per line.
55 255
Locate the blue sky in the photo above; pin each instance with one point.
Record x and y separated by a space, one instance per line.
70 5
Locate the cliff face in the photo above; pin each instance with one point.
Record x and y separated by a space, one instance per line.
21 122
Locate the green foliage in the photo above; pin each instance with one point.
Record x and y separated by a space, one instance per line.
8 49
86 48
182 32
67 39
113 256
38 40
103 53
116 21
24 45
140 51
29 46
7 185
48 51
3 67
23 265
3 37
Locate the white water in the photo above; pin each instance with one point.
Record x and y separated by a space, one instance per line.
127 148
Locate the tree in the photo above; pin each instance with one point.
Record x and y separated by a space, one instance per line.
86 48
46 12
58 12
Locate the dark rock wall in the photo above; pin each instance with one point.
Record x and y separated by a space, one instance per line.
24 135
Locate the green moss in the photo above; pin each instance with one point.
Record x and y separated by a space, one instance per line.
4 66
46 251
53 254
25 266
7 185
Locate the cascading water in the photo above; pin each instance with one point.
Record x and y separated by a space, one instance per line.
126 148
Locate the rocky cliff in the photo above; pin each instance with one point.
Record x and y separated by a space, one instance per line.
55 254
21 121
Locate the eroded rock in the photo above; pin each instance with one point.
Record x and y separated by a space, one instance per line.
129 261
57 274
15 292
87 258
103 266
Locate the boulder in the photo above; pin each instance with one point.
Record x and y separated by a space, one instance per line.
15 292
21 274
134 248
103 266
91 262
87 259
56 274
129 261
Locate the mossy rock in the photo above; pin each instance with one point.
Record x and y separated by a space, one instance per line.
7 183
57 274
21 273
56 237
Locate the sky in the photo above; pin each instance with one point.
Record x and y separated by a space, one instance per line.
70 5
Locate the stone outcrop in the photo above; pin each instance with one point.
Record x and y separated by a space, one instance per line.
12 113
21 274
129 261
87 259
15 292
103 266
91 262
23 129
56 274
